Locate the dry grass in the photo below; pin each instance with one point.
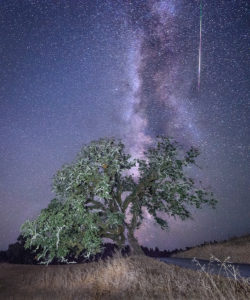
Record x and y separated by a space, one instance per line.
238 249
135 277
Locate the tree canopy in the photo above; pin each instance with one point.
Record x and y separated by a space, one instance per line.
95 194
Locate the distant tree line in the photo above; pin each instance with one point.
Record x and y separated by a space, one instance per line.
17 254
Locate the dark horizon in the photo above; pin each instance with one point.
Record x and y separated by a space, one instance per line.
71 73
17 254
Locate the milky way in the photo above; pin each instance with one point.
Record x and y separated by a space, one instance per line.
75 71
160 77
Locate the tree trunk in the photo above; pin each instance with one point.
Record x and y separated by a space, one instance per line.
135 248
120 241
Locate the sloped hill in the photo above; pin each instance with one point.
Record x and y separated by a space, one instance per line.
237 248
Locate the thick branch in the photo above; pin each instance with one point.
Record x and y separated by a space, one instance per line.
140 189
97 205
119 190
116 196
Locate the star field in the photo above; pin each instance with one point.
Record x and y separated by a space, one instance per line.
75 71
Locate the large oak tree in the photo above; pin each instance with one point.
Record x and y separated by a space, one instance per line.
97 198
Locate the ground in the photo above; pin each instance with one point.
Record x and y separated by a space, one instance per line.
134 277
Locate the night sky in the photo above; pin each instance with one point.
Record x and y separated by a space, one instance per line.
75 71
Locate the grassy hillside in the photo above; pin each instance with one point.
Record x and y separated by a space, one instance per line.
117 278
238 249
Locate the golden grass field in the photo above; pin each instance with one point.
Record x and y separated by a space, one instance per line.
134 277
238 249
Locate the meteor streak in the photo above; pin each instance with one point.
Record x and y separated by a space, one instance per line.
199 68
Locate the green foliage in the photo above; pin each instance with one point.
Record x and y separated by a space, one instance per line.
95 170
89 204
62 228
169 189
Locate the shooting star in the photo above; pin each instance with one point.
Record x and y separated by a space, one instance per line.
199 68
